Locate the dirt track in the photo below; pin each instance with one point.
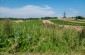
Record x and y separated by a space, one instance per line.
47 22
18 21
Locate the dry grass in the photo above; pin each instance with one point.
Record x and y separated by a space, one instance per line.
78 28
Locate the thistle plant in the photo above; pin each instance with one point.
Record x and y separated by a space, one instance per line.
7 28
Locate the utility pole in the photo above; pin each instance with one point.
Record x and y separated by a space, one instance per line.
64 15
63 18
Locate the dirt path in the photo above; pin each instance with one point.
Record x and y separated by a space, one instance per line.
47 22
18 21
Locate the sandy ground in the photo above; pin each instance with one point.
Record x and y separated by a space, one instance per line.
47 22
18 21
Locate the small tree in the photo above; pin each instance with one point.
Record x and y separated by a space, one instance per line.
79 17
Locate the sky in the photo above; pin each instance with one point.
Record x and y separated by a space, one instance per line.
41 8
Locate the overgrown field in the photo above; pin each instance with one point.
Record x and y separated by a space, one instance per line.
32 37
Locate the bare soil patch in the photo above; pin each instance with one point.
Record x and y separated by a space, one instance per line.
47 22
19 21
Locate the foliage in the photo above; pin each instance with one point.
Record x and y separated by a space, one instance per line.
46 18
79 17
33 36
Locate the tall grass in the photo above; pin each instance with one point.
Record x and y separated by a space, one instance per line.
82 37
39 38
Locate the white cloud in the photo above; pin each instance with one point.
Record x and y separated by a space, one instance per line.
27 11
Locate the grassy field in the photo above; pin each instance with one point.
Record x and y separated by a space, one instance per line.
68 22
32 37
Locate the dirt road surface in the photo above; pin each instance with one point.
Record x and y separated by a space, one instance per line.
18 21
47 22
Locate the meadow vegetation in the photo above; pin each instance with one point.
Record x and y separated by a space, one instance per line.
61 22
34 37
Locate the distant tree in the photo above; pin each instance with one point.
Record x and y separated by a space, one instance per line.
46 18
24 20
79 17
72 17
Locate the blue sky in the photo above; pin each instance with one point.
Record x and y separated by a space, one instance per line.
41 8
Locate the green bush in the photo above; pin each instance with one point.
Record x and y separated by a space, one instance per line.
79 17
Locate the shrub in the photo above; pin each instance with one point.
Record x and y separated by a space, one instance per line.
79 17
7 28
